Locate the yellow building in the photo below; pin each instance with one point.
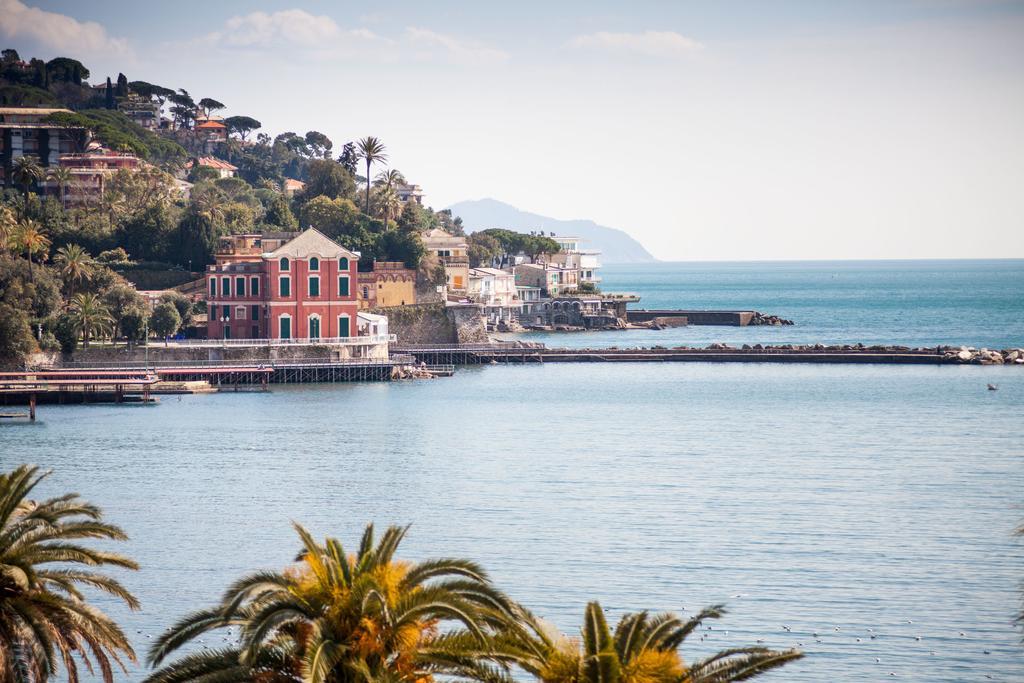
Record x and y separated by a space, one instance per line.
390 283
453 252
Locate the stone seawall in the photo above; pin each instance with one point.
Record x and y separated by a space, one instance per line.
435 323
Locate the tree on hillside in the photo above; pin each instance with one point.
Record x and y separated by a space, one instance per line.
388 203
90 317
319 144
27 172
208 105
484 250
389 179
349 158
121 90
165 320
63 177
328 178
123 301
182 304
32 240
184 109
66 70
75 265
150 90
47 561
243 125
109 93
371 150
279 213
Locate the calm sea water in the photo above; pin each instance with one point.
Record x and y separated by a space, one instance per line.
915 303
825 499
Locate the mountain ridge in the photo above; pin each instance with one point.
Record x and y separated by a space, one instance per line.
616 246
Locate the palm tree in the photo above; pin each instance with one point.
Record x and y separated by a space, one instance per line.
389 203
89 316
371 150
643 649
63 177
390 179
8 229
75 265
45 621
27 172
31 239
341 618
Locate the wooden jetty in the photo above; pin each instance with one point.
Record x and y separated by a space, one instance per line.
86 386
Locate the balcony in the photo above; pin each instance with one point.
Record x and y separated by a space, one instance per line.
299 341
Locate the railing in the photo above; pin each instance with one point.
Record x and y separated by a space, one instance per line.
298 341
493 346
254 364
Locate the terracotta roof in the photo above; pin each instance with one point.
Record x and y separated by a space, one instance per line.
312 242
213 163
205 125
292 184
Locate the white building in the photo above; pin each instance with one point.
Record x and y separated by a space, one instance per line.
492 287
587 261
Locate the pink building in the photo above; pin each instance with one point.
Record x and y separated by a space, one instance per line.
271 287
90 173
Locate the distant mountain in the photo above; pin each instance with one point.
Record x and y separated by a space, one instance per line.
615 245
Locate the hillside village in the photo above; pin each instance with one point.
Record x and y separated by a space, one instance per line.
130 210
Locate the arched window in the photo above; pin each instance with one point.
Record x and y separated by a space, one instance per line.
343 263
314 263
314 326
285 263
366 292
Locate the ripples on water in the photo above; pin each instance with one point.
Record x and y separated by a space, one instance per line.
826 496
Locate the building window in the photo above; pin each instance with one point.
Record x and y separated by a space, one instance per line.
343 325
285 265
255 313
254 286
240 312
225 286
213 286
225 311
314 326
284 326
314 285
284 286
239 286
366 292
314 263
343 263
343 286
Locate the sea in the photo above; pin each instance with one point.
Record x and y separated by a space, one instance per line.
863 514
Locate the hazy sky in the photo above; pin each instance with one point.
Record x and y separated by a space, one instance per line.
707 130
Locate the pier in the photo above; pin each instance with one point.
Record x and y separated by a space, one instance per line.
514 352
77 386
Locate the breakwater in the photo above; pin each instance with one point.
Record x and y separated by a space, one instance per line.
519 352
696 317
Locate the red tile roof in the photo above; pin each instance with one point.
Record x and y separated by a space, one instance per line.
207 125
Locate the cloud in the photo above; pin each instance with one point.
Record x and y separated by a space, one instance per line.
57 31
650 43
430 44
293 28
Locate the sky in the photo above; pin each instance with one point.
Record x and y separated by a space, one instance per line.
717 130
